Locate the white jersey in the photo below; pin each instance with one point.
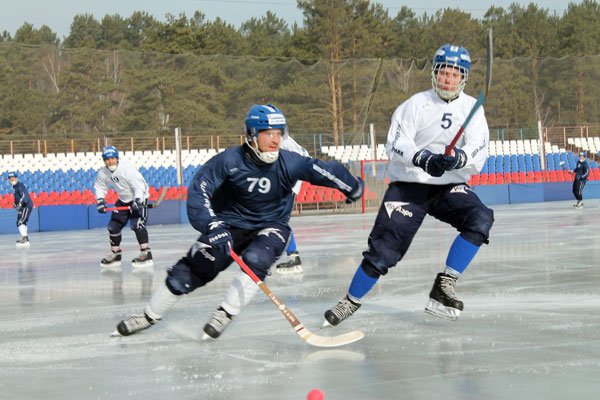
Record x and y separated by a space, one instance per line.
126 181
425 121
291 145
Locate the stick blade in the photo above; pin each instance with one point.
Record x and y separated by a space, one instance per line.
335 341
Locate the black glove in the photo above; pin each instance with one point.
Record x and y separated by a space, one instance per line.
137 205
457 161
219 237
19 205
431 163
101 206
357 194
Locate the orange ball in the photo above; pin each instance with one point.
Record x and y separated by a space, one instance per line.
315 394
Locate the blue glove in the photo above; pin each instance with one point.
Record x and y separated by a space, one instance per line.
219 237
137 205
431 163
357 194
457 161
101 206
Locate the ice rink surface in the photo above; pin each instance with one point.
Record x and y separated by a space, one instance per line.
530 328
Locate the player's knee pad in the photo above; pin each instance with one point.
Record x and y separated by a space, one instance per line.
259 261
178 284
114 228
479 225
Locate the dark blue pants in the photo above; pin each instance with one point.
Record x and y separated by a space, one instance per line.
23 215
137 220
258 248
578 185
403 210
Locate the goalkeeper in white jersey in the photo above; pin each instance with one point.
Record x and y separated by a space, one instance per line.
132 189
424 181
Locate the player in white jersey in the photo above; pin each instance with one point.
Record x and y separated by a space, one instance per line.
425 181
132 189
292 264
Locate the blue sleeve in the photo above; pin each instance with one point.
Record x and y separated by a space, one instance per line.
200 192
323 173
21 194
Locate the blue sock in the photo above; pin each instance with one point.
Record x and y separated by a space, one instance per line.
292 245
361 284
461 254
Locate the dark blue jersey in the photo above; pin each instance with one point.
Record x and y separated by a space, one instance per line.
22 195
582 170
233 188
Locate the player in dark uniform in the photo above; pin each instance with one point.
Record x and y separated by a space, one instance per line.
581 172
23 204
241 198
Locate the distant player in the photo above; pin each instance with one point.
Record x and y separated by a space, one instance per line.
132 189
292 264
241 198
581 172
23 204
424 181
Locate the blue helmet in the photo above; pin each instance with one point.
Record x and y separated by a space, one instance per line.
260 118
110 152
451 56
12 174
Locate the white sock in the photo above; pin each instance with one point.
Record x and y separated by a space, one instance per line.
162 300
23 230
241 290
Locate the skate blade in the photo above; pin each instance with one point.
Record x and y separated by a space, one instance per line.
115 333
145 264
111 265
439 310
289 270
22 246
326 324
206 337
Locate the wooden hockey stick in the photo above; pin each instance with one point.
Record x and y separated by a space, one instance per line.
482 94
303 332
163 193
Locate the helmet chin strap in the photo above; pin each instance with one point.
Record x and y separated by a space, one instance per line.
112 168
268 157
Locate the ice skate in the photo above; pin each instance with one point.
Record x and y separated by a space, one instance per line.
442 298
293 264
342 310
23 243
134 324
217 324
579 204
143 260
113 260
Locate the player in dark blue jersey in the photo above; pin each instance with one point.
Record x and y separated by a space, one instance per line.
23 204
581 173
242 198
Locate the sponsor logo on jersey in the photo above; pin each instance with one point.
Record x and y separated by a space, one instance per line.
391 206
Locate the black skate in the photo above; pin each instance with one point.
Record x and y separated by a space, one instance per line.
134 324
293 265
342 310
217 324
144 259
442 298
113 260
22 243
